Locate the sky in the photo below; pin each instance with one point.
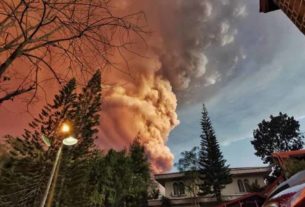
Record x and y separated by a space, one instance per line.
244 65
269 79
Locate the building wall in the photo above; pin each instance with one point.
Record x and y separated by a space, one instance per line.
169 188
295 10
233 189
230 192
230 189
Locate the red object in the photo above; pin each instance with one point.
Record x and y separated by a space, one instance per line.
257 199
282 201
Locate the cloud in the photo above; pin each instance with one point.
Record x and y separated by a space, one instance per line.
148 112
265 77
180 56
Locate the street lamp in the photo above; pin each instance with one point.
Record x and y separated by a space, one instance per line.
69 141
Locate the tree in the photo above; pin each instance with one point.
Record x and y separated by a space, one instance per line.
141 179
24 176
280 133
153 191
23 179
109 185
45 35
85 176
120 178
189 165
74 171
214 173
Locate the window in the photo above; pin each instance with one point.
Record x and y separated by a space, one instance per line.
244 185
247 185
179 189
176 190
241 186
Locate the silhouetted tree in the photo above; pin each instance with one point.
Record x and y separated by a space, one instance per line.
85 176
75 164
141 179
120 178
24 177
214 173
280 133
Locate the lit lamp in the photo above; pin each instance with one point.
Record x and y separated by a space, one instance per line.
65 129
70 140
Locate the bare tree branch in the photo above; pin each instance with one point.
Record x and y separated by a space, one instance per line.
81 34
13 94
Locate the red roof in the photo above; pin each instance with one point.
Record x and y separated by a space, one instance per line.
289 154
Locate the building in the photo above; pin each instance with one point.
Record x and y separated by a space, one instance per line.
294 9
175 190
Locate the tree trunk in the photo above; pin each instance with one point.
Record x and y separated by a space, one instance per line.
218 195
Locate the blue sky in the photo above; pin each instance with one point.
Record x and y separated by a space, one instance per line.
268 79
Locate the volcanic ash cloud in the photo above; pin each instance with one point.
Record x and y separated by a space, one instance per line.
178 58
150 108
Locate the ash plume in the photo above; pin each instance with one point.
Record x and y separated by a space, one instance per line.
179 57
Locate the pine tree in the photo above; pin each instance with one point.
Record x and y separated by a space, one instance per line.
72 184
26 172
23 179
85 177
214 173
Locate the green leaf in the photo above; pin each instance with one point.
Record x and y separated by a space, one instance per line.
46 140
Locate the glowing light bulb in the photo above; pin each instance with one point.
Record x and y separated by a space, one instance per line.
65 128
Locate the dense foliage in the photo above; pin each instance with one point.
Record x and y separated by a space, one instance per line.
25 174
120 178
280 133
85 176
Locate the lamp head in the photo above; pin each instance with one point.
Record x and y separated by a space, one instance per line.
69 141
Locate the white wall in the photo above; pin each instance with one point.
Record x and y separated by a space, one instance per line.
230 189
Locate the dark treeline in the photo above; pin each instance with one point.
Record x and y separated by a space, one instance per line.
85 176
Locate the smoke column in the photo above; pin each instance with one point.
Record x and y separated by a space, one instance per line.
143 104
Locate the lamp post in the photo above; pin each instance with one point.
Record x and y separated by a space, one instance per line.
69 141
